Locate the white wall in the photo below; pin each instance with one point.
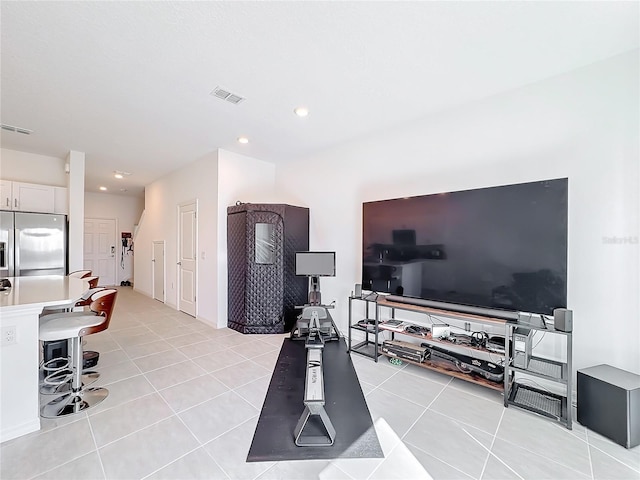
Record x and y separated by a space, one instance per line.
583 125
126 211
76 161
197 181
32 168
215 181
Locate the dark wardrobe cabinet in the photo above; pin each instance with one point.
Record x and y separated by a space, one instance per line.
261 243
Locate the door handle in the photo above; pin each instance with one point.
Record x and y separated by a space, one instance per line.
179 263
15 202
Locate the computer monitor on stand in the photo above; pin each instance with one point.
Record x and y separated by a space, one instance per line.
315 265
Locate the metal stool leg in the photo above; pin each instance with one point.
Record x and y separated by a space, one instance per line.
79 398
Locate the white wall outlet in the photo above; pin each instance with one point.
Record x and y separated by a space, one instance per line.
9 335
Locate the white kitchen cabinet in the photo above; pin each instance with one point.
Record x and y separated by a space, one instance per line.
6 200
30 197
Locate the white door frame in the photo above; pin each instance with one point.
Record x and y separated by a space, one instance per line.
193 202
154 264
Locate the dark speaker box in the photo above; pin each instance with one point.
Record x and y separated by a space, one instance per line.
90 359
56 349
563 319
609 403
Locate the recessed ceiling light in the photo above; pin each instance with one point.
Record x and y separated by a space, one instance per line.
301 111
104 189
120 174
243 140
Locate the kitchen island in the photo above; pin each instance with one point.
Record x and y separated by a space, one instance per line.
20 306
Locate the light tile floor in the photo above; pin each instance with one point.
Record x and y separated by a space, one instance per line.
185 398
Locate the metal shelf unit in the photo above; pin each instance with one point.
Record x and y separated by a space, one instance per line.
368 348
538 400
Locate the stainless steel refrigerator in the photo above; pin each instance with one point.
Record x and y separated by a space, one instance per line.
32 244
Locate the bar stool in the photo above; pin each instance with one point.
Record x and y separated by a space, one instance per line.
74 326
80 273
57 374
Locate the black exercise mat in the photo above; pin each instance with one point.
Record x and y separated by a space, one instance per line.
355 436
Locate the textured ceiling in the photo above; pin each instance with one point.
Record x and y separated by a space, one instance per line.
129 83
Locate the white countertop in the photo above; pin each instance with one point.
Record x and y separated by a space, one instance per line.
41 291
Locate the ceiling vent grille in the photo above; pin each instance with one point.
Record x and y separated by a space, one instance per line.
227 95
11 128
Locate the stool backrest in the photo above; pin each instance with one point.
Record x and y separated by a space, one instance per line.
93 281
86 297
102 303
80 273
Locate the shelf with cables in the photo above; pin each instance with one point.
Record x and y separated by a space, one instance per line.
439 340
536 383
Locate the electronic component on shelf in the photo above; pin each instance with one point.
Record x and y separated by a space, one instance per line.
416 330
496 344
406 350
395 325
367 323
440 330
522 347
465 363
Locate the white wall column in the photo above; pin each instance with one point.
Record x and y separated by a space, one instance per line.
76 210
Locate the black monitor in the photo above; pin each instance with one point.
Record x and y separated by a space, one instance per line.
316 264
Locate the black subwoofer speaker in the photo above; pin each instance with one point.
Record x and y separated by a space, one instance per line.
609 403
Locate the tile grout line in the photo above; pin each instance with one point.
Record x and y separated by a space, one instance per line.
608 455
93 436
589 453
542 456
493 441
402 439
490 453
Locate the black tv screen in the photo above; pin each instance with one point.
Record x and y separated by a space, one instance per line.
499 248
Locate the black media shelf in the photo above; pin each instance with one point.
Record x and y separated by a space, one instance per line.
370 347
539 401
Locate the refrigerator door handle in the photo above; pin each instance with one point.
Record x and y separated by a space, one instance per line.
3 254
16 256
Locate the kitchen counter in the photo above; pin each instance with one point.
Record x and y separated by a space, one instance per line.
20 307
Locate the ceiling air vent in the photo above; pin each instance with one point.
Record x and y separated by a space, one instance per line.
227 95
11 128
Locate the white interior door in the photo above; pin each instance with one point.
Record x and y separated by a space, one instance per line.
158 271
187 258
100 248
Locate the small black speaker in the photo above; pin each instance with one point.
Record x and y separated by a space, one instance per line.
90 359
56 349
563 319
358 290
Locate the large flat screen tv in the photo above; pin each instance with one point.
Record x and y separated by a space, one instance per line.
502 248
